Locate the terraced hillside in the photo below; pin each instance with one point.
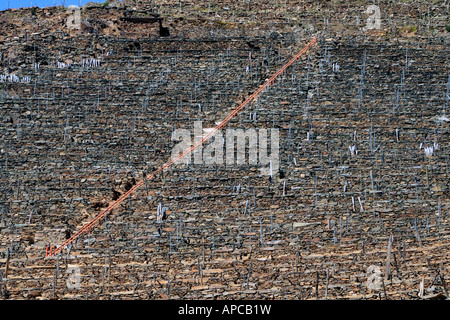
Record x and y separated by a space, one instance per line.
357 210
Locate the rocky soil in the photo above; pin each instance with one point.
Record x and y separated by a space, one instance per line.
358 210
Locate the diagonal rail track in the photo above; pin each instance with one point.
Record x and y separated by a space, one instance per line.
87 227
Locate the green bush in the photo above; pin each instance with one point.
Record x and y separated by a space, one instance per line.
447 28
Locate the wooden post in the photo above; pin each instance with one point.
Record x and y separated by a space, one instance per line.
7 264
317 285
388 258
